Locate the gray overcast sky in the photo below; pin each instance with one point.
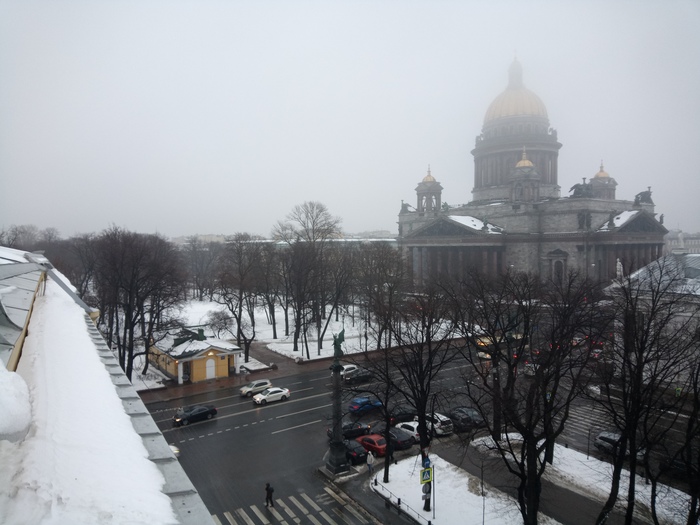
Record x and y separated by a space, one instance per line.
185 117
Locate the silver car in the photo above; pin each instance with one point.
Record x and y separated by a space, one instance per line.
254 387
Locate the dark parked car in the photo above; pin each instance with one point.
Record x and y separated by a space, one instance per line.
466 418
351 430
188 415
401 413
400 439
354 452
362 405
359 375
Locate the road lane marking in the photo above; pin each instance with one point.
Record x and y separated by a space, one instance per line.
303 411
311 502
356 513
215 519
245 517
335 496
328 518
298 426
230 518
286 508
278 516
260 515
299 505
344 518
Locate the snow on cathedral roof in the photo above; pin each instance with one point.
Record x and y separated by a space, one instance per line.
476 224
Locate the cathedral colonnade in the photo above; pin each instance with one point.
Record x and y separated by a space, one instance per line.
456 261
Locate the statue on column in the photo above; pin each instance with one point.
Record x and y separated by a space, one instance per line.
337 340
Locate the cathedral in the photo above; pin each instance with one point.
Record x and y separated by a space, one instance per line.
517 219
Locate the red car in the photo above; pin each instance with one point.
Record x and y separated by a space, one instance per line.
373 443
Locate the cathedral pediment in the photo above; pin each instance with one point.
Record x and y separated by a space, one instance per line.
455 226
633 221
643 223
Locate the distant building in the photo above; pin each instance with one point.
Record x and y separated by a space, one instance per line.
680 242
517 218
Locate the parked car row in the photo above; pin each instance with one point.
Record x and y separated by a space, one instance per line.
459 419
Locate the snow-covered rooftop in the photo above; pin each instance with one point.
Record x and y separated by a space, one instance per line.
619 220
77 445
474 223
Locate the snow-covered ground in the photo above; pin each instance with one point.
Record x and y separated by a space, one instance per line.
458 497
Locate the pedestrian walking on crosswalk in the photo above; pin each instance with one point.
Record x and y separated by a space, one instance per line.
268 495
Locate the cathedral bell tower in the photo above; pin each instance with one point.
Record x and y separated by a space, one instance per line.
525 181
603 185
429 193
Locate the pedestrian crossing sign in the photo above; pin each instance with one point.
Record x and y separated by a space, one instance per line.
426 475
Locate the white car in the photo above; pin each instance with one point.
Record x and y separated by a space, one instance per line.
438 424
411 427
345 369
271 394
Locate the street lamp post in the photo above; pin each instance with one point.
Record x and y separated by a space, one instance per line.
337 463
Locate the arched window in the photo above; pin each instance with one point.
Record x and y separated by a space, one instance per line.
558 271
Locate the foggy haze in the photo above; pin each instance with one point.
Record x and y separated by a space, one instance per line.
216 117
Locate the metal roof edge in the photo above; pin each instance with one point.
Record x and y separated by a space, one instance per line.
186 501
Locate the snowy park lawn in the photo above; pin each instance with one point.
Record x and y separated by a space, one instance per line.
592 477
459 497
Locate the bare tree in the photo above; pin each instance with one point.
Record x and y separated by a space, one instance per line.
201 260
307 232
271 283
138 281
76 259
653 341
505 322
239 278
423 332
21 237
380 281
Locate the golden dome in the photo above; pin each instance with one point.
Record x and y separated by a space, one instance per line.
602 173
428 177
524 162
516 100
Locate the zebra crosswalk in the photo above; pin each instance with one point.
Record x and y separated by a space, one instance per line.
583 424
326 508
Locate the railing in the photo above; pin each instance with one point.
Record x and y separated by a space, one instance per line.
396 502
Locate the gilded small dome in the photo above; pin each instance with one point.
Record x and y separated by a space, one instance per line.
428 177
602 173
524 162
516 100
